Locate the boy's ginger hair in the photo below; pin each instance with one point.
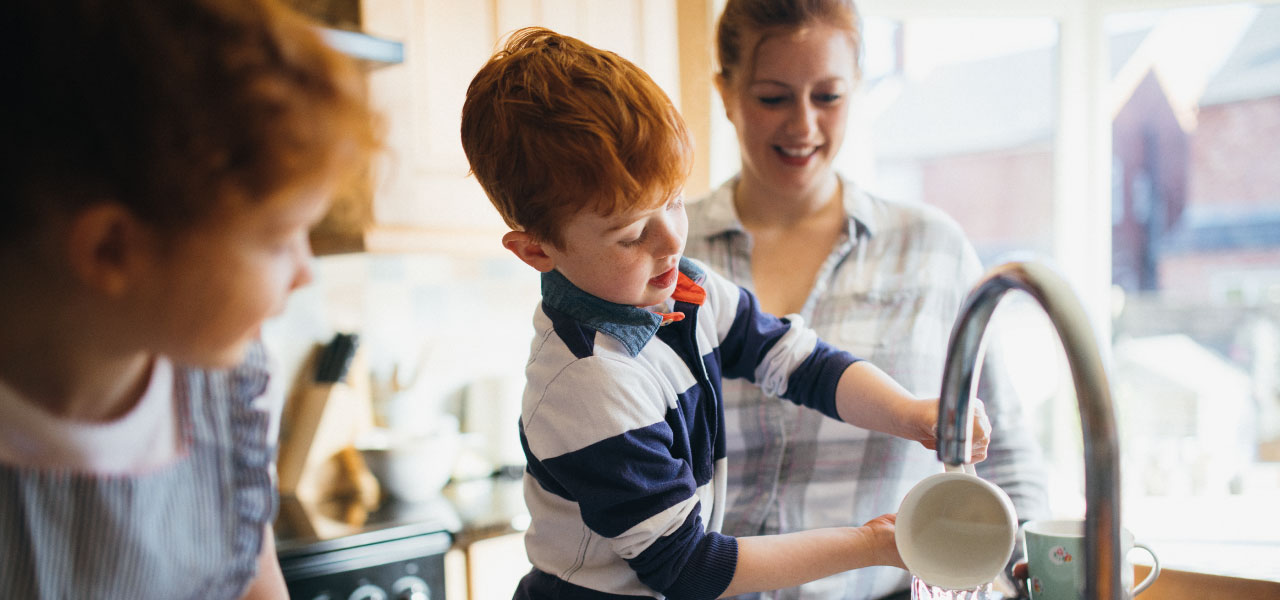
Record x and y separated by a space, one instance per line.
552 125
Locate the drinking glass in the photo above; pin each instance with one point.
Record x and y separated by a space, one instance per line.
923 591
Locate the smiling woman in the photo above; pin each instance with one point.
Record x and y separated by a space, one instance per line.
1127 143
879 276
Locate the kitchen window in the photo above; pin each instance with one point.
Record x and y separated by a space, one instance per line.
1132 144
1196 272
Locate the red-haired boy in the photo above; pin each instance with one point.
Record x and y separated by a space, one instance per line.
585 157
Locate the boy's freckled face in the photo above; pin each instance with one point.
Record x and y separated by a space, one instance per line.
627 258
220 282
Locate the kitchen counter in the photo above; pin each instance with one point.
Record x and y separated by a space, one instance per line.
488 550
485 520
1175 584
488 508
470 510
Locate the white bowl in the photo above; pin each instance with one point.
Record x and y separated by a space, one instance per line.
414 468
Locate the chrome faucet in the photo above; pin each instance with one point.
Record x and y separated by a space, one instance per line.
1097 417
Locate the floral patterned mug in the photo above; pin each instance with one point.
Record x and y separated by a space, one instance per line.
1055 560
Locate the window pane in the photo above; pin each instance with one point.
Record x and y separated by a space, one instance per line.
962 115
959 113
1196 259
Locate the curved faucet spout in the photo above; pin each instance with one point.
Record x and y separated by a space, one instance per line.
1097 417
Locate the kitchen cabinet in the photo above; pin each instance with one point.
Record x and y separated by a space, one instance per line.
420 196
495 567
489 548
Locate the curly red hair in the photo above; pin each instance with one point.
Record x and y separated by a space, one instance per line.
552 126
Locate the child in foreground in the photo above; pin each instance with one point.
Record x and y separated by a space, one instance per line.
585 157
164 161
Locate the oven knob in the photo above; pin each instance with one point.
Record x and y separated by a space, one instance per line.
410 588
368 591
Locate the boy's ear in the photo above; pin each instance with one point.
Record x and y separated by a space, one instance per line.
104 243
529 250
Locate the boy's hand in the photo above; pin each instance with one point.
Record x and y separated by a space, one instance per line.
881 531
926 421
867 397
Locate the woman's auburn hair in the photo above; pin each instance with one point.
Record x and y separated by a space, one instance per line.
175 108
742 21
552 126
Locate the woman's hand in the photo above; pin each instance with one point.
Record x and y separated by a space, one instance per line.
926 426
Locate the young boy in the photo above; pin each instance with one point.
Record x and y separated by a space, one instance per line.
585 157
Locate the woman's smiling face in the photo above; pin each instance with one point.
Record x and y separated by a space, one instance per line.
790 112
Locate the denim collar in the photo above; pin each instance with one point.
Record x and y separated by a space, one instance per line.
632 326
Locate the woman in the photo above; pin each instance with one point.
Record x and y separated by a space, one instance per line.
882 279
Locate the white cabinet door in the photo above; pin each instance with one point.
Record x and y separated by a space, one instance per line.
423 195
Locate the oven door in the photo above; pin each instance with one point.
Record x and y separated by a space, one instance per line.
402 568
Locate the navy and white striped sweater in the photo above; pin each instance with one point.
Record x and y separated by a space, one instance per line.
622 428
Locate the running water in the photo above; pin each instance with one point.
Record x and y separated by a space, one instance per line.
923 591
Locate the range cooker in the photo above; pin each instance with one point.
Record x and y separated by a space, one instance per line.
338 552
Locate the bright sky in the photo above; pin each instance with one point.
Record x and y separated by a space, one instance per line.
1188 44
932 42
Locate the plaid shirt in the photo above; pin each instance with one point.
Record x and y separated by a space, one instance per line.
889 292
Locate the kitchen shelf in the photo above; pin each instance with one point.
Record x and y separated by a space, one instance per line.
471 243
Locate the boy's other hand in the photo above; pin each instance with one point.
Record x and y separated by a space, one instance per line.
979 435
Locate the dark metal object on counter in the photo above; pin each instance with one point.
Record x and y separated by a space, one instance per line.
1097 415
335 358
411 568
397 552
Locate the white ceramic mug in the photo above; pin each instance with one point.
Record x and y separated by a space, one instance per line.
955 530
1055 560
